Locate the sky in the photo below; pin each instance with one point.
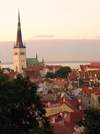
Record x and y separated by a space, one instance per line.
54 29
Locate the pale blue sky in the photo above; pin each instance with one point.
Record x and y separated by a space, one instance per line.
70 29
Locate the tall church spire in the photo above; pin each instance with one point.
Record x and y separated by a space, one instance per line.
19 42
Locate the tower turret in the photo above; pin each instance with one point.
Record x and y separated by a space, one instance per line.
19 50
19 42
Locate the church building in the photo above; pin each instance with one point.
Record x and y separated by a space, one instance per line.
19 52
34 62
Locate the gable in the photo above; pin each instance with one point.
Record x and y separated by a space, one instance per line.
56 109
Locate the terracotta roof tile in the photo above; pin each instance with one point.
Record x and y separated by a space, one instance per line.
83 67
95 64
97 92
87 92
11 75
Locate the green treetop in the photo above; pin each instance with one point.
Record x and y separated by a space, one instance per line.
91 121
21 107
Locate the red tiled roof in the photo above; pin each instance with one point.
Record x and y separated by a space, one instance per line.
73 73
50 67
95 75
48 80
66 92
87 92
63 127
60 81
94 65
66 85
34 68
83 67
33 77
97 92
41 67
34 73
75 116
73 104
66 125
11 75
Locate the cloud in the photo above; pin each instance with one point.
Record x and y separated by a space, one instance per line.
98 37
43 36
56 49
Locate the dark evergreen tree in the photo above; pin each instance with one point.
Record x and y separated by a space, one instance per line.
21 107
91 121
63 72
50 75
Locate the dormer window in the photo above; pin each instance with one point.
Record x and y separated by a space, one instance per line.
55 108
51 110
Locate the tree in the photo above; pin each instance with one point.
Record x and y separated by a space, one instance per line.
50 75
63 72
21 107
91 121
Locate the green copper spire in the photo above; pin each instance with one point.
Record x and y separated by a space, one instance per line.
19 42
43 61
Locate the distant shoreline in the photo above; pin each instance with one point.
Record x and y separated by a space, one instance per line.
47 62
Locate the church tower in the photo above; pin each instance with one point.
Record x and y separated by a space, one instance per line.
19 50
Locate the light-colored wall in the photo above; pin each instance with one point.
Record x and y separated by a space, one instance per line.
85 101
95 101
19 60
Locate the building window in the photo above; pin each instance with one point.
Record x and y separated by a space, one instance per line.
89 101
55 108
22 53
16 53
51 110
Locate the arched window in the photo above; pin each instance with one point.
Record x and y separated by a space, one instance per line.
89 101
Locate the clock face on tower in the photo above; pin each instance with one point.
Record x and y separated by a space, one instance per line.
15 53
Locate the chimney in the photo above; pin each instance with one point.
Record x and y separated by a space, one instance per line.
62 94
79 101
48 103
64 99
61 112
53 120
65 115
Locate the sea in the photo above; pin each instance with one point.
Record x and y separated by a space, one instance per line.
71 64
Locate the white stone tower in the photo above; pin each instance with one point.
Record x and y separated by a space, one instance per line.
19 50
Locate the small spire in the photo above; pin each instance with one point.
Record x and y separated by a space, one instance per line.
42 60
18 14
36 56
19 42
